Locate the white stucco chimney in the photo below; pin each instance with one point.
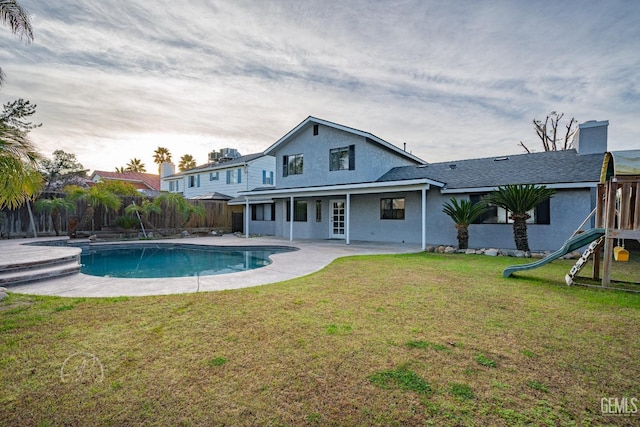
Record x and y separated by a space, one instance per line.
166 169
591 137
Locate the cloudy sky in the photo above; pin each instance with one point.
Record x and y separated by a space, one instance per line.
114 80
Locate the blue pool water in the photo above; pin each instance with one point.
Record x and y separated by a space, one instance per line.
168 260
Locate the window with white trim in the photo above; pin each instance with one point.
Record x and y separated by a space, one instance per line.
292 165
343 158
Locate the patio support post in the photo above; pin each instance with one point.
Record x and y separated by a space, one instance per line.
424 218
291 210
246 219
348 219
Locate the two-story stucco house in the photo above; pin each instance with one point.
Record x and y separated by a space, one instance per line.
220 180
336 182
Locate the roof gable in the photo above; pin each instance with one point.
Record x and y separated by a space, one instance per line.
371 138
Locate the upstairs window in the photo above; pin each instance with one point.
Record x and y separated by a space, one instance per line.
343 158
267 177
214 176
292 165
194 181
392 208
315 129
541 214
234 176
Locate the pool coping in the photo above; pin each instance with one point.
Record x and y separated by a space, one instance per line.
311 256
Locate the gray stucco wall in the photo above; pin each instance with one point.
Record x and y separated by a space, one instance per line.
568 209
371 160
366 224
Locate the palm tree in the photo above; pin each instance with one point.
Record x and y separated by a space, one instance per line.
21 180
53 207
160 156
177 202
463 214
95 196
145 209
518 200
17 18
186 162
121 169
135 165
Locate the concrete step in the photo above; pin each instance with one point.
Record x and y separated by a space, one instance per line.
30 272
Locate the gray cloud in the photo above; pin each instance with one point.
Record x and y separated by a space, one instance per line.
114 80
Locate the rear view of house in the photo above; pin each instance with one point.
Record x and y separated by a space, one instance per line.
336 182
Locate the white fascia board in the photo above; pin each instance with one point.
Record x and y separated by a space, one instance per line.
251 202
331 190
559 186
345 129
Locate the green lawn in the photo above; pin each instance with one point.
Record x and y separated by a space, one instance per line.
374 340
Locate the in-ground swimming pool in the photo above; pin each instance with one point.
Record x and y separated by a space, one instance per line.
154 260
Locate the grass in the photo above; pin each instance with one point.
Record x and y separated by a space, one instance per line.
372 340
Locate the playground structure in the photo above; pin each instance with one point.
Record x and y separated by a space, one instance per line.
617 217
617 208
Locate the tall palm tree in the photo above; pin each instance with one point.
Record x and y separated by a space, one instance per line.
17 18
186 162
463 214
135 165
121 169
518 199
95 196
160 156
21 180
53 207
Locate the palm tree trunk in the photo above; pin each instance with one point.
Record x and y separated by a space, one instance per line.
520 232
55 217
463 236
86 218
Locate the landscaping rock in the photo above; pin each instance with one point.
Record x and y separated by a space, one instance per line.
480 252
185 233
576 254
3 289
518 254
430 249
491 252
214 233
470 252
3 295
537 255
449 250
440 249
506 252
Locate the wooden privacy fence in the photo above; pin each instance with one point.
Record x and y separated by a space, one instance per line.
16 223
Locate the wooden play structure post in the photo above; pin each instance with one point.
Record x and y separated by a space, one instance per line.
618 206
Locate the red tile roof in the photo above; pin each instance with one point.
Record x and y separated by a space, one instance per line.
142 181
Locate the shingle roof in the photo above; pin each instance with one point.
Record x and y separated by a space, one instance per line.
553 167
216 166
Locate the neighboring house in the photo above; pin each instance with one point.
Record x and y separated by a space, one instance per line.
336 182
220 180
145 183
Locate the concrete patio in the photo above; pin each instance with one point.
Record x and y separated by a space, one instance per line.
311 256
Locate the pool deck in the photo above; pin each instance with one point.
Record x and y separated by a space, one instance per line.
313 255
